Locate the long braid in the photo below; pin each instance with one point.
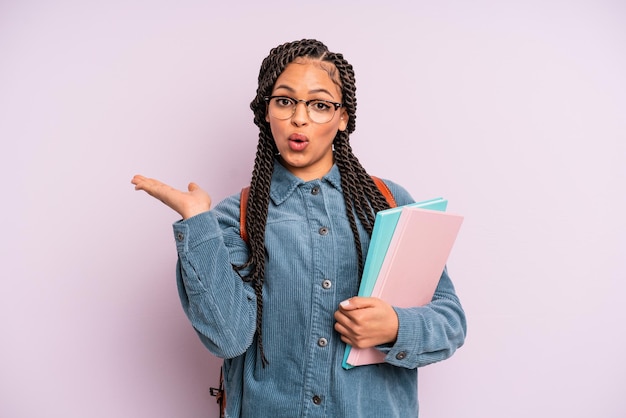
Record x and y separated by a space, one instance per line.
360 193
256 217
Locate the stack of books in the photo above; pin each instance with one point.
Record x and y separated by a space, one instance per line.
407 254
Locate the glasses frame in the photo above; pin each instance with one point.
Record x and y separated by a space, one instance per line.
306 105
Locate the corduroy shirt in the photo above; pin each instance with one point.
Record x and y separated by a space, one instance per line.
311 266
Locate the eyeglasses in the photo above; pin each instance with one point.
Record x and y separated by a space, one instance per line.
319 111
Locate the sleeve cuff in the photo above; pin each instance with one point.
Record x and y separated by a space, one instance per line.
403 352
191 232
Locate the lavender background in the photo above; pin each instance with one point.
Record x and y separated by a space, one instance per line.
513 110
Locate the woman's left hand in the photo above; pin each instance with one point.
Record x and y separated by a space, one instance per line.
366 322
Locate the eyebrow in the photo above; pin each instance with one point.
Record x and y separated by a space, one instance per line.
283 86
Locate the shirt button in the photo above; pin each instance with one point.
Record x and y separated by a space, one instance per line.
401 355
326 284
323 231
180 236
315 190
322 342
317 400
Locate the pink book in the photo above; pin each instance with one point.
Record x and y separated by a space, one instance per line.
410 272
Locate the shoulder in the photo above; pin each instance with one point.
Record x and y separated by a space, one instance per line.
402 196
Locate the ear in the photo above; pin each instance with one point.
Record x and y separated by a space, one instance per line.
343 119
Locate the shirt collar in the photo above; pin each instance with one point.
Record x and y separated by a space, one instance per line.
284 183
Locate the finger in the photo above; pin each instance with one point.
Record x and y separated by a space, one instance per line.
158 190
344 332
350 336
345 339
192 186
137 179
144 183
341 318
347 325
347 305
355 303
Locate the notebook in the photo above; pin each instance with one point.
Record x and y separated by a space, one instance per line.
410 268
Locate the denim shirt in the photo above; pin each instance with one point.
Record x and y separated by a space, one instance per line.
311 267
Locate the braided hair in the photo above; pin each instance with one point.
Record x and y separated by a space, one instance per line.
362 197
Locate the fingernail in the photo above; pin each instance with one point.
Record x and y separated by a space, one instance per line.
345 303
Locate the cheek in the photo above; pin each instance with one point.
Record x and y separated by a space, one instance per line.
276 128
330 131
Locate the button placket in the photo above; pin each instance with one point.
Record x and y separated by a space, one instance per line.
324 290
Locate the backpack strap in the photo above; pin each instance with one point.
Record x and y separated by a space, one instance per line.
220 394
243 203
384 189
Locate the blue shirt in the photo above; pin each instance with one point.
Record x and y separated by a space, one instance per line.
311 267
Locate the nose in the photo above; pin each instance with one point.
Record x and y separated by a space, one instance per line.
300 114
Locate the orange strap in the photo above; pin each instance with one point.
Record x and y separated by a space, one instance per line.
385 191
243 205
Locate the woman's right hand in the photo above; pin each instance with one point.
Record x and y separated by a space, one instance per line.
187 204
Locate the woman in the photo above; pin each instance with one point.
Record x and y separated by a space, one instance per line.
279 307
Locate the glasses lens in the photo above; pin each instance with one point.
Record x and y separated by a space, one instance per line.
282 107
321 111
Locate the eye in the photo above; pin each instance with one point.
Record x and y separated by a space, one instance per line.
283 101
320 106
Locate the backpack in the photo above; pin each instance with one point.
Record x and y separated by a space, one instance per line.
219 393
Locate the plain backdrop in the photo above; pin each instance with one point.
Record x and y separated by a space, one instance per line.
513 110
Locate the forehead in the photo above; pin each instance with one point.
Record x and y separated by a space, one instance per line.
309 75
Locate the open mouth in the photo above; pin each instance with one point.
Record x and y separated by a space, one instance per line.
298 142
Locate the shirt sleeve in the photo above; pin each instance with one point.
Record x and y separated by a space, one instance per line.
219 304
429 333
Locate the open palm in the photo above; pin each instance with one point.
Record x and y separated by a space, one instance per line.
187 204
